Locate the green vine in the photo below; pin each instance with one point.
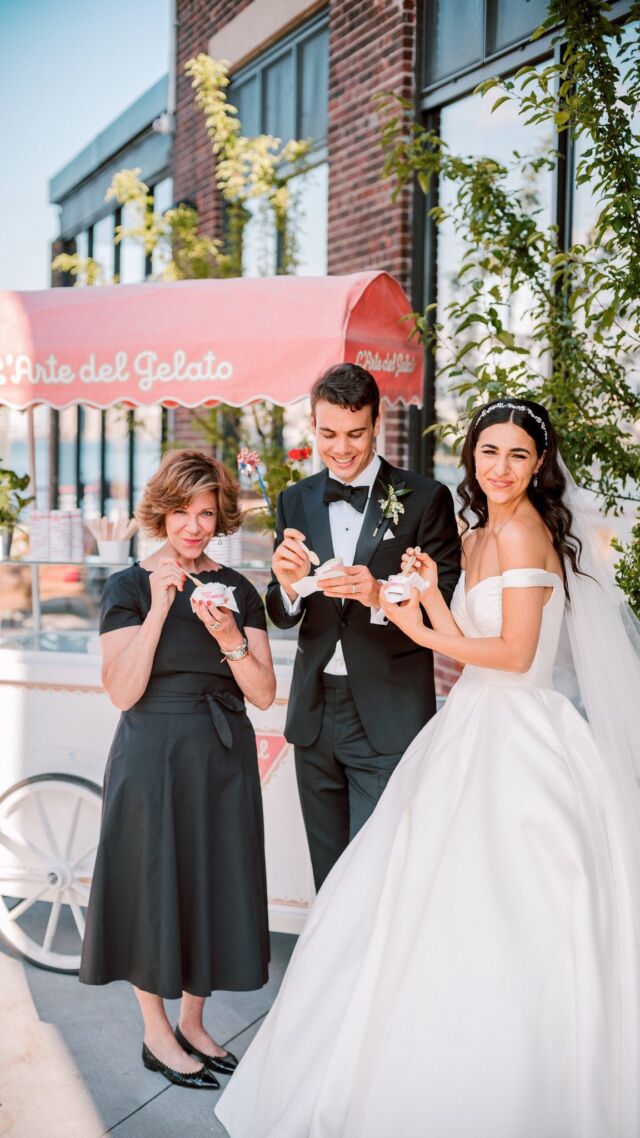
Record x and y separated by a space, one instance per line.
584 308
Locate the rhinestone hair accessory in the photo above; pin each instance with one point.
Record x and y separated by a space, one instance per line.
516 407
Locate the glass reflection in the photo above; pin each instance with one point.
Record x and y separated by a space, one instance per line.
132 255
67 458
314 61
90 461
509 21
310 192
453 36
116 462
103 247
469 128
280 101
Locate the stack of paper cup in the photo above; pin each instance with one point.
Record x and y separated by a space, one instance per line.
39 535
59 536
77 535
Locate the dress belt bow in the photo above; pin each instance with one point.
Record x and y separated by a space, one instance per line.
217 701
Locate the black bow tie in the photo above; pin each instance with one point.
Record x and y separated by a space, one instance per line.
336 491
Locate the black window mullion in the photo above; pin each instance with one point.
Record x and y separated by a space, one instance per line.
78 457
562 205
103 461
54 459
117 248
131 456
297 90
426 451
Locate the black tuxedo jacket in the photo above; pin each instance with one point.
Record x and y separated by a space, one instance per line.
391 677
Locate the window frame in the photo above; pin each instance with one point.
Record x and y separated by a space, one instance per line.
429 104
290 44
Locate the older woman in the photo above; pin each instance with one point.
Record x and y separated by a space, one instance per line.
178 904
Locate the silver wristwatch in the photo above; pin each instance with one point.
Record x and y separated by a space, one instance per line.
236 653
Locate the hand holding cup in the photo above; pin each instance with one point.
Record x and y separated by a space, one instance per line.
415 561
292 560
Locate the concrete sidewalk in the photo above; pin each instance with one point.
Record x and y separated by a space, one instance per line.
70 1062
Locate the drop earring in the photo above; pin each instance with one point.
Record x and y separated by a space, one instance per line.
535 481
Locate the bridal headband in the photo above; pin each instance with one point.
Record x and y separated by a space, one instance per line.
515 407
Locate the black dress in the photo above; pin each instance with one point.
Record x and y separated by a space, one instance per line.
179 900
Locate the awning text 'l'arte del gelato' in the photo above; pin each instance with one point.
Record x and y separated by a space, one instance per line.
196 342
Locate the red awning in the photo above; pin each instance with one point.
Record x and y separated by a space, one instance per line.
194 342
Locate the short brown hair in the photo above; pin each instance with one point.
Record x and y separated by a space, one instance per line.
181 476
347 385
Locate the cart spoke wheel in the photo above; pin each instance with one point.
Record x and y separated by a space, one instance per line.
49 827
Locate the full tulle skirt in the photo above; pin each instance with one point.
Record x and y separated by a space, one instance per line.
470 967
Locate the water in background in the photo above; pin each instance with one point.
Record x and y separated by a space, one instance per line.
147 458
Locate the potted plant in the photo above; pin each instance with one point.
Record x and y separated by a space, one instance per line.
12 503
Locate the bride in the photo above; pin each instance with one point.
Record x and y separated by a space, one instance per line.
471 967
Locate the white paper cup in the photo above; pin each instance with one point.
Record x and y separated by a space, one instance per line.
114 552
214 593
398 589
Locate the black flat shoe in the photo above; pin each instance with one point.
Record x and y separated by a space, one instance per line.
223 1064
201 1080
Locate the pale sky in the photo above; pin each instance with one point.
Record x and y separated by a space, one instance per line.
67 68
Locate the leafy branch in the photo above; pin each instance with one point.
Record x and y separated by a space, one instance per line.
576 351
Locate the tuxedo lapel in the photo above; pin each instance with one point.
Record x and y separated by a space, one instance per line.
367 542
318 530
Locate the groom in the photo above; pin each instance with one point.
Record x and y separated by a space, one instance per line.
361 690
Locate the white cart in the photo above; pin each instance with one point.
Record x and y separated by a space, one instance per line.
57 725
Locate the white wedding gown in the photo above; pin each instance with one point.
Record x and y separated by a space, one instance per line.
470 968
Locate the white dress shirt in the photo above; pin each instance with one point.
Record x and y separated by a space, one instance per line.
345 523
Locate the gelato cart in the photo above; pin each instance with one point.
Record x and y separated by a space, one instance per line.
188 343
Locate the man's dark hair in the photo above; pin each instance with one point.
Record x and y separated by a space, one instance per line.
347 385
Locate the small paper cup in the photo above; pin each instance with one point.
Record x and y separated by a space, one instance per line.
212 594
397 589
114 552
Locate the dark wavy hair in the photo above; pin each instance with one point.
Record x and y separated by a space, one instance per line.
547 496
347 385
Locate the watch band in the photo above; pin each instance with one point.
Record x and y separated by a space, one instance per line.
236 653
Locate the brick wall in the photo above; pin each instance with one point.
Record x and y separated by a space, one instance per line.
371 49
197 20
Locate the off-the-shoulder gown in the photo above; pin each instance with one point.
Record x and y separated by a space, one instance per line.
470 968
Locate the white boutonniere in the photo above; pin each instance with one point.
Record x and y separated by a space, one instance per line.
391 506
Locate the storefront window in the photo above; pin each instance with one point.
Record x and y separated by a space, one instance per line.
132 255
245 97
459 33
116 490
314 88
509 21
453 36
162 201
67 433
309 217
90 434
103 246
148 446
469 128
285 93
280 102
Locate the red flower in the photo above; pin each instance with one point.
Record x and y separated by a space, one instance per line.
299 454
